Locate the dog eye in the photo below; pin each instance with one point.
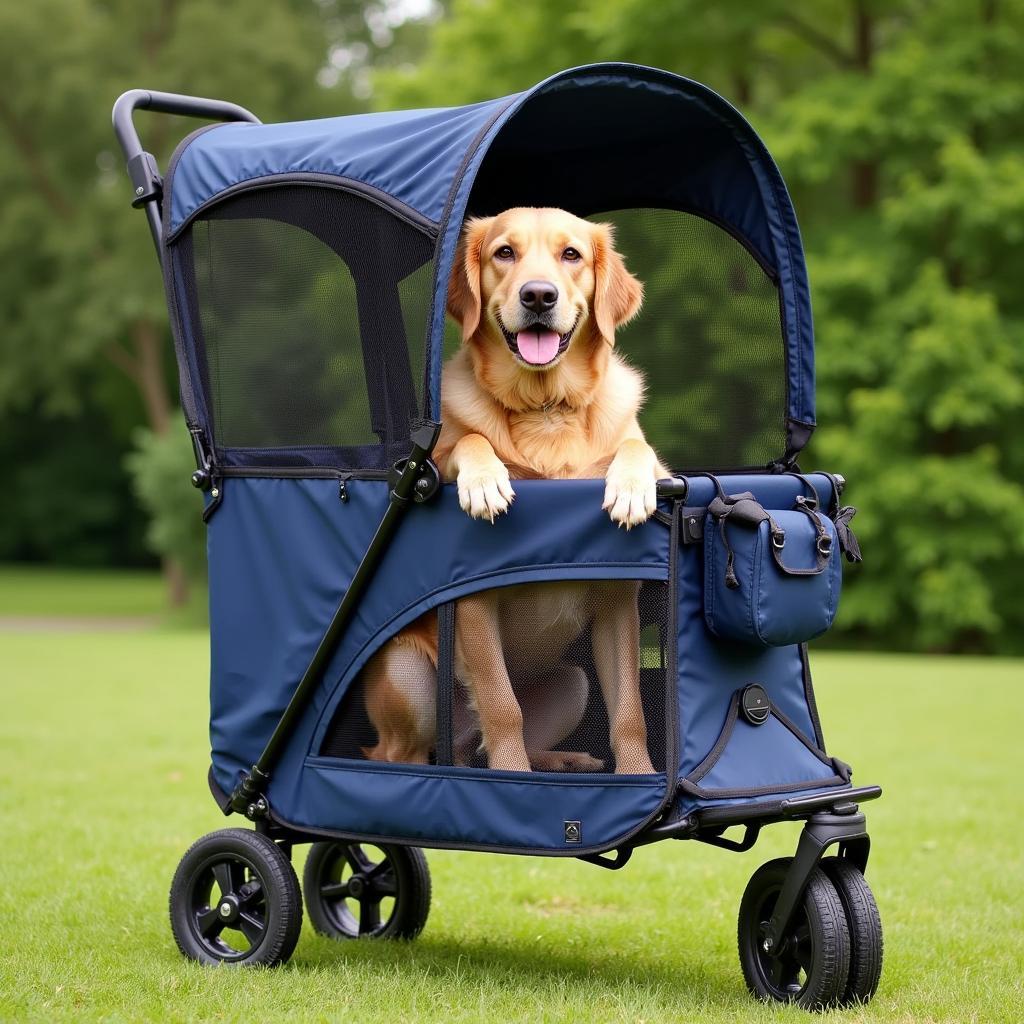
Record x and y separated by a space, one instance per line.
505 253
571 255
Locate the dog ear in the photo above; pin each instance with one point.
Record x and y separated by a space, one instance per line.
464 284
617 293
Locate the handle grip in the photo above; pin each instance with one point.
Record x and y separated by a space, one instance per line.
147 184
168 103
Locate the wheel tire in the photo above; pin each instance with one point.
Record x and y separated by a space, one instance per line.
346 889
865 929
814 960
257 915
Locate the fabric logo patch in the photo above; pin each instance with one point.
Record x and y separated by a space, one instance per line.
573 832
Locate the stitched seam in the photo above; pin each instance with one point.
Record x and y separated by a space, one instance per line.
585 779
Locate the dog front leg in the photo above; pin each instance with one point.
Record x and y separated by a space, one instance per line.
484 487
480 664
616 645
631 485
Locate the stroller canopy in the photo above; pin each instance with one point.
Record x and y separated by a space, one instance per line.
594 140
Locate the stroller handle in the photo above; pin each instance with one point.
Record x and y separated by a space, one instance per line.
143 171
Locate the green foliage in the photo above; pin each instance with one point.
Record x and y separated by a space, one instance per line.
898 127
85 332
161 466
896 123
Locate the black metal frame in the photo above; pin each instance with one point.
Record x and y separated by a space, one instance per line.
147 182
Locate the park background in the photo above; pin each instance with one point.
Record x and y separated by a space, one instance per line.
898 125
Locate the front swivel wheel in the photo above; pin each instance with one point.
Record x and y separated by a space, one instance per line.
235 900
354 890
811 964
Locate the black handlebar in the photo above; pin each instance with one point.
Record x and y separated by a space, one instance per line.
142 167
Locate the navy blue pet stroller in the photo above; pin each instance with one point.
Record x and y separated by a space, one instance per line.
306 268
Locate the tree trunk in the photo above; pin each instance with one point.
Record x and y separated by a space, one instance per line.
150 376
865 171
151 379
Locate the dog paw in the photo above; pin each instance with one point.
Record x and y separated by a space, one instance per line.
629 499
485 492
564 761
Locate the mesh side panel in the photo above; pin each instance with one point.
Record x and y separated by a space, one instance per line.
709 340
547 649
312 306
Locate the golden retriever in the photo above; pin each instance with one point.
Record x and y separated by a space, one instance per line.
536 390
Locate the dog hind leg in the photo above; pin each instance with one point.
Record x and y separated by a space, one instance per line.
401 702
616 633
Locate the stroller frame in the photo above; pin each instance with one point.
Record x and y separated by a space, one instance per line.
250 866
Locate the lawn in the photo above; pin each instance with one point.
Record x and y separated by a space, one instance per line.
102 788
34 590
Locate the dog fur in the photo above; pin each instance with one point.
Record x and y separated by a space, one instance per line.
521 281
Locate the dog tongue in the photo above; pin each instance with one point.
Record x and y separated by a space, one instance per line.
537 346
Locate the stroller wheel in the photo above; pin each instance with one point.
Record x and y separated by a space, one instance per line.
235 900
355 890
865 929
812 965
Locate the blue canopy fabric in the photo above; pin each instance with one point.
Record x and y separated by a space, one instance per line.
590 139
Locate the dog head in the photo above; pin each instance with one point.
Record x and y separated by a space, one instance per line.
530 286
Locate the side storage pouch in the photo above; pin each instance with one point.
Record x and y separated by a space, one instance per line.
770 578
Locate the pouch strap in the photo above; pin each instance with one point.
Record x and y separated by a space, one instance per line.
822 540
746 511
848 542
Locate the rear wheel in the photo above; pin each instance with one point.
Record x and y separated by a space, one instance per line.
235 900
811 964
355 890
865 929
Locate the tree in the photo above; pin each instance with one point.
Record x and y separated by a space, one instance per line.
81 298
897 125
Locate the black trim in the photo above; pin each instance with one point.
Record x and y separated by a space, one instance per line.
303 472
172 165
812 705
441 272
673 738
445 681
193 400
384 200
689 784
222 799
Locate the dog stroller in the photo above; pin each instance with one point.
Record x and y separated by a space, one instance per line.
306 268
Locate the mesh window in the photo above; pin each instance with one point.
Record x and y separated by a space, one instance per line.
546 646
709 340
312 306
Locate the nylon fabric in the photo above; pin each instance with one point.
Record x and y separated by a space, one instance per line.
675 144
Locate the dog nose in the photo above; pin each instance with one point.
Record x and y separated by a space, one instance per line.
538 296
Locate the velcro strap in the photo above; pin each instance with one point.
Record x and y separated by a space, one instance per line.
848 542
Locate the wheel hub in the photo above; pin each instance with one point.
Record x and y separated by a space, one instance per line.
228 908
357 886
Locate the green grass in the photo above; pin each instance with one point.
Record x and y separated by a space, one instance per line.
45 591
102 789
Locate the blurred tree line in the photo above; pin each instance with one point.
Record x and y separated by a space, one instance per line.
896 123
